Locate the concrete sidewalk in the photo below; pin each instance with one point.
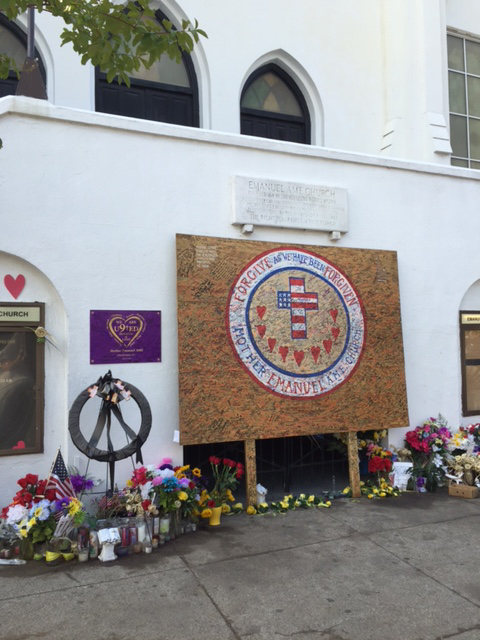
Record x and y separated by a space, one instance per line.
398 569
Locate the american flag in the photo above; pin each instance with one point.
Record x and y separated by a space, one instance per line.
59 480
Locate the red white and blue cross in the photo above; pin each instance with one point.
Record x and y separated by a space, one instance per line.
299 302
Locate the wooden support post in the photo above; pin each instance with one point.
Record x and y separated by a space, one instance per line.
353 466
251 472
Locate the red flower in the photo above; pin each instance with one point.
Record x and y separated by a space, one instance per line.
229 463
146 504
176 468
3 514
31 479
51 495
214 460
23 483
240 472
210 504
41 487
191 485
23 497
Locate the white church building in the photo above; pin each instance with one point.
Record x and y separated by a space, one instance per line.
377 98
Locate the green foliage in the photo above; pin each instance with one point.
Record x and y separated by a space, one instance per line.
117 38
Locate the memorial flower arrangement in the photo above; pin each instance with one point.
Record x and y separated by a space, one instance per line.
428 445
226 474
163 489
466 468
30 514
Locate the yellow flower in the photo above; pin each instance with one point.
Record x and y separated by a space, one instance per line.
362 484
179 473
225 508
238 506
370 495
284 504
230 495
197 472
182 496
206 513
296 503
311 498
31 523
23 533
75 506
346 490
375 490
382 494
328 503
302 496
264 505
129 483
251 510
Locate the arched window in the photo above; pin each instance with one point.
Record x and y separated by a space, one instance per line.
13 43
272 106
167 92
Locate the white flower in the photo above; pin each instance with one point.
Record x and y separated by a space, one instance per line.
150 467
16 513
166 473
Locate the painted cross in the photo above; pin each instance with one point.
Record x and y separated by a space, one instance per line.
299 302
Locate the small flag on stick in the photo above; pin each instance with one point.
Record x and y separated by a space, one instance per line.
59 480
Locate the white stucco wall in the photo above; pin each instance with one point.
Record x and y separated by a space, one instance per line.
99 210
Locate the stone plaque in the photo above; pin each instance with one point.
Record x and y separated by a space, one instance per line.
279 341
273 203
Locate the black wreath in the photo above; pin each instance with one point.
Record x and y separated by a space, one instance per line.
112 391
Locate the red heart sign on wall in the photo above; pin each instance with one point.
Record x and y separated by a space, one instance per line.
14 285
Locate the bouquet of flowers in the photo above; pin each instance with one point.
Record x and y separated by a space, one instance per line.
30 513
226 475
164 488
466 468
380 465
428 445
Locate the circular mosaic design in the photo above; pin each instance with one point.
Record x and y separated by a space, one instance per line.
296 323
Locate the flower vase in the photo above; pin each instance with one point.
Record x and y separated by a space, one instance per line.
214 520
164 526
26 549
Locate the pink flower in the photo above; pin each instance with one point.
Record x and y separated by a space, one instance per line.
157 480
166 461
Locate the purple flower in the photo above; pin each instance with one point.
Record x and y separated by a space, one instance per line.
165 466
81 483
184 482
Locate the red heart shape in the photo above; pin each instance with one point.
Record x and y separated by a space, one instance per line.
271 344
283 352
315 351
335 332
261 312
328 345
20 445
261 328
299 356
334 314
14 285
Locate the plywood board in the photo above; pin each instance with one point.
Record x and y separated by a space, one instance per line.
279 341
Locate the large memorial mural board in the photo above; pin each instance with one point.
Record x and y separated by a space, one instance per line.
279 341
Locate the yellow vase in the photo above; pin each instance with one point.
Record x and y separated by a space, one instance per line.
215 517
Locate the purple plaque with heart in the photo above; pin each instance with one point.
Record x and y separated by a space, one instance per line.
125 336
